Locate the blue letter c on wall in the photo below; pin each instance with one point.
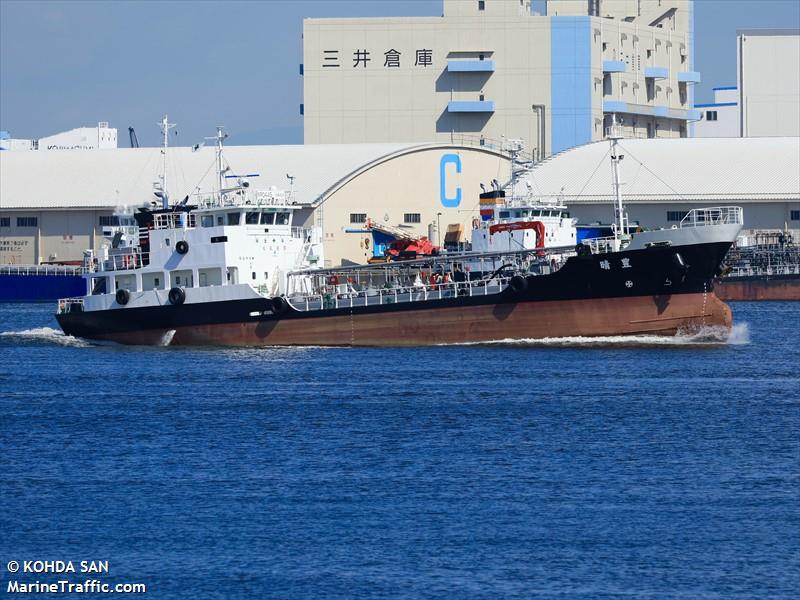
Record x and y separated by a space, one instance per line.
447 201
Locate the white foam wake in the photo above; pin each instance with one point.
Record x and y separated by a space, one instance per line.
46 335
739 334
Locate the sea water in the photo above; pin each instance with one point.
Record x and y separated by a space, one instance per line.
631 466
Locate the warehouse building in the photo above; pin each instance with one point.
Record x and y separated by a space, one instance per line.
412 187
490 68
416 188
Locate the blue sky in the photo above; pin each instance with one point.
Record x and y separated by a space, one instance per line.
65 64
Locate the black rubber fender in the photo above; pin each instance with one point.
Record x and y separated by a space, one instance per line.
177 296
182 247
518 284
122 296
279 305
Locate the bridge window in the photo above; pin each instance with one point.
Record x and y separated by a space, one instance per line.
412 218
207 220
5 221
795 215
233 218
282 218
267 218
251 218
504 214
358 217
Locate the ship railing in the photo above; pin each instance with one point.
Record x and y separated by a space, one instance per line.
718 215
759 271
248 197
397 295
68 305
532 202
122 262
601 245
28 270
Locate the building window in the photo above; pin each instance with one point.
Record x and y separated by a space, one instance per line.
795 216
412 218
358 217
27 221
676 215
109 220
5 221
711 115
481 5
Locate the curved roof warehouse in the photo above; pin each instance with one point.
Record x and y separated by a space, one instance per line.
54 205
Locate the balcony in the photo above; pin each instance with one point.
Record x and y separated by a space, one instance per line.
689 77
613 66
470 66
470 106
656 72
615 106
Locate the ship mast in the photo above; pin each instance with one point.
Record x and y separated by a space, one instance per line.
165 127
220 172
620 221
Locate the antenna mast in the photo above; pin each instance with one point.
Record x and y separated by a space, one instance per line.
220 140
614 134
165 127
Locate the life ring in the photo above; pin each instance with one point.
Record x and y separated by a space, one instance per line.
122 296
176 296
333 280
182 247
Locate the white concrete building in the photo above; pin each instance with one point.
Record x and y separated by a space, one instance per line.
490 69
101 137
766 101
721 117
768 62
421 188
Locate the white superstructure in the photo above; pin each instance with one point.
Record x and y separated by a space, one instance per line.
232 244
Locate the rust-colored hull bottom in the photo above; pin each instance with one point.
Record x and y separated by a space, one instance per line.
758 289
659 315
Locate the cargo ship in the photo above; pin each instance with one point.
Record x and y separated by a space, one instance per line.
230 268
40 283
761 272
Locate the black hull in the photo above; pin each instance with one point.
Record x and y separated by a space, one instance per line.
652 273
